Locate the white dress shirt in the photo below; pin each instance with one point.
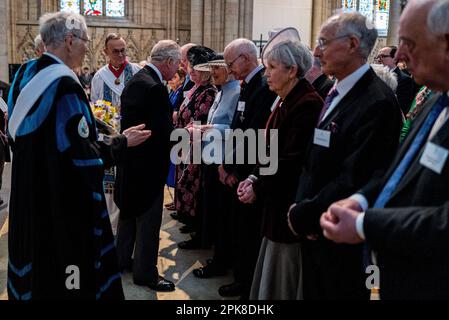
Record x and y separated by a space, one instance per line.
345 85
253 73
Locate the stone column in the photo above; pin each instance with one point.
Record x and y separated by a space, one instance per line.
4 22
393 24
197 21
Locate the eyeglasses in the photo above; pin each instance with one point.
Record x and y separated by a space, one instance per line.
323 43
81 38
232 62
381 56
121 51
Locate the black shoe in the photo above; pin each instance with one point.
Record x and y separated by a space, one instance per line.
187 229
161 285
210 270
231 290
189 244
168 205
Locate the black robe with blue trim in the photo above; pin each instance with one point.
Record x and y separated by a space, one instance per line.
58 221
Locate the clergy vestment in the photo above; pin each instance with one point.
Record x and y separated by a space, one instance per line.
58 221
107 86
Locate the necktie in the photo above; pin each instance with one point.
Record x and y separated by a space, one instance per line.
242 86
406 161
327 103
415 146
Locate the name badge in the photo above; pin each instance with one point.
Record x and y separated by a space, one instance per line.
434 157
186 101
185 93
241 106
322 138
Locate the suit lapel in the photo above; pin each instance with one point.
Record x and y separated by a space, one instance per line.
349 99
416 168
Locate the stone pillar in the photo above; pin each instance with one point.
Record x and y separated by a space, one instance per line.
393 24
197 21
4 25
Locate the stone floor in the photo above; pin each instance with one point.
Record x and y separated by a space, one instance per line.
174 264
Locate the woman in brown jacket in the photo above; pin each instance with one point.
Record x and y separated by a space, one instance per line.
278 273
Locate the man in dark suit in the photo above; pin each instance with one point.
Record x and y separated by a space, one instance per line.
357 137
407 227
252 112
406 90
141 177
320 81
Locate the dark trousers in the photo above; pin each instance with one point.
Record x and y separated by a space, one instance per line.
333 271
143 231
217 222
247 239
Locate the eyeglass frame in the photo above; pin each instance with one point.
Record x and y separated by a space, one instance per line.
323 43
233 61
121 51
81 38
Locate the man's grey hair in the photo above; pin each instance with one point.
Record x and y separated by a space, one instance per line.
438 18
38 41
388 76
54 27
243 46
354 24
290 54
165 49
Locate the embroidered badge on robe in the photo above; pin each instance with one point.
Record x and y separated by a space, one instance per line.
83 128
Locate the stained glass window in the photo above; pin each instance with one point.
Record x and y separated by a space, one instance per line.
108 8
93 7
115 8
377 11
70 6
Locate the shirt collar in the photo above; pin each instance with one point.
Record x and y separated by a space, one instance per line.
159 74
230 84
347 83
253 73
51 55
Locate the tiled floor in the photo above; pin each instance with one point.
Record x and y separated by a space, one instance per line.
174 264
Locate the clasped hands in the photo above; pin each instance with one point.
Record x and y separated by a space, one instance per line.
338 222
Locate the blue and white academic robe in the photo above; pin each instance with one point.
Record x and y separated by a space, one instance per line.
59 229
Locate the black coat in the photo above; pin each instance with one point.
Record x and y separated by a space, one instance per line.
411 233
144 170
365 129
406 90
323 85
259 100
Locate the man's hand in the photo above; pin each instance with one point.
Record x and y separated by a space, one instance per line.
136 135
338 224
349 204
222 174
231 180
246 192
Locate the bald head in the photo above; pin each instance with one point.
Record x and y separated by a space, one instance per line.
241 57
424 42
184 60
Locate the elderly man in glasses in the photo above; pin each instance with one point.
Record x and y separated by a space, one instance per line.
355 138
60 240
109 82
